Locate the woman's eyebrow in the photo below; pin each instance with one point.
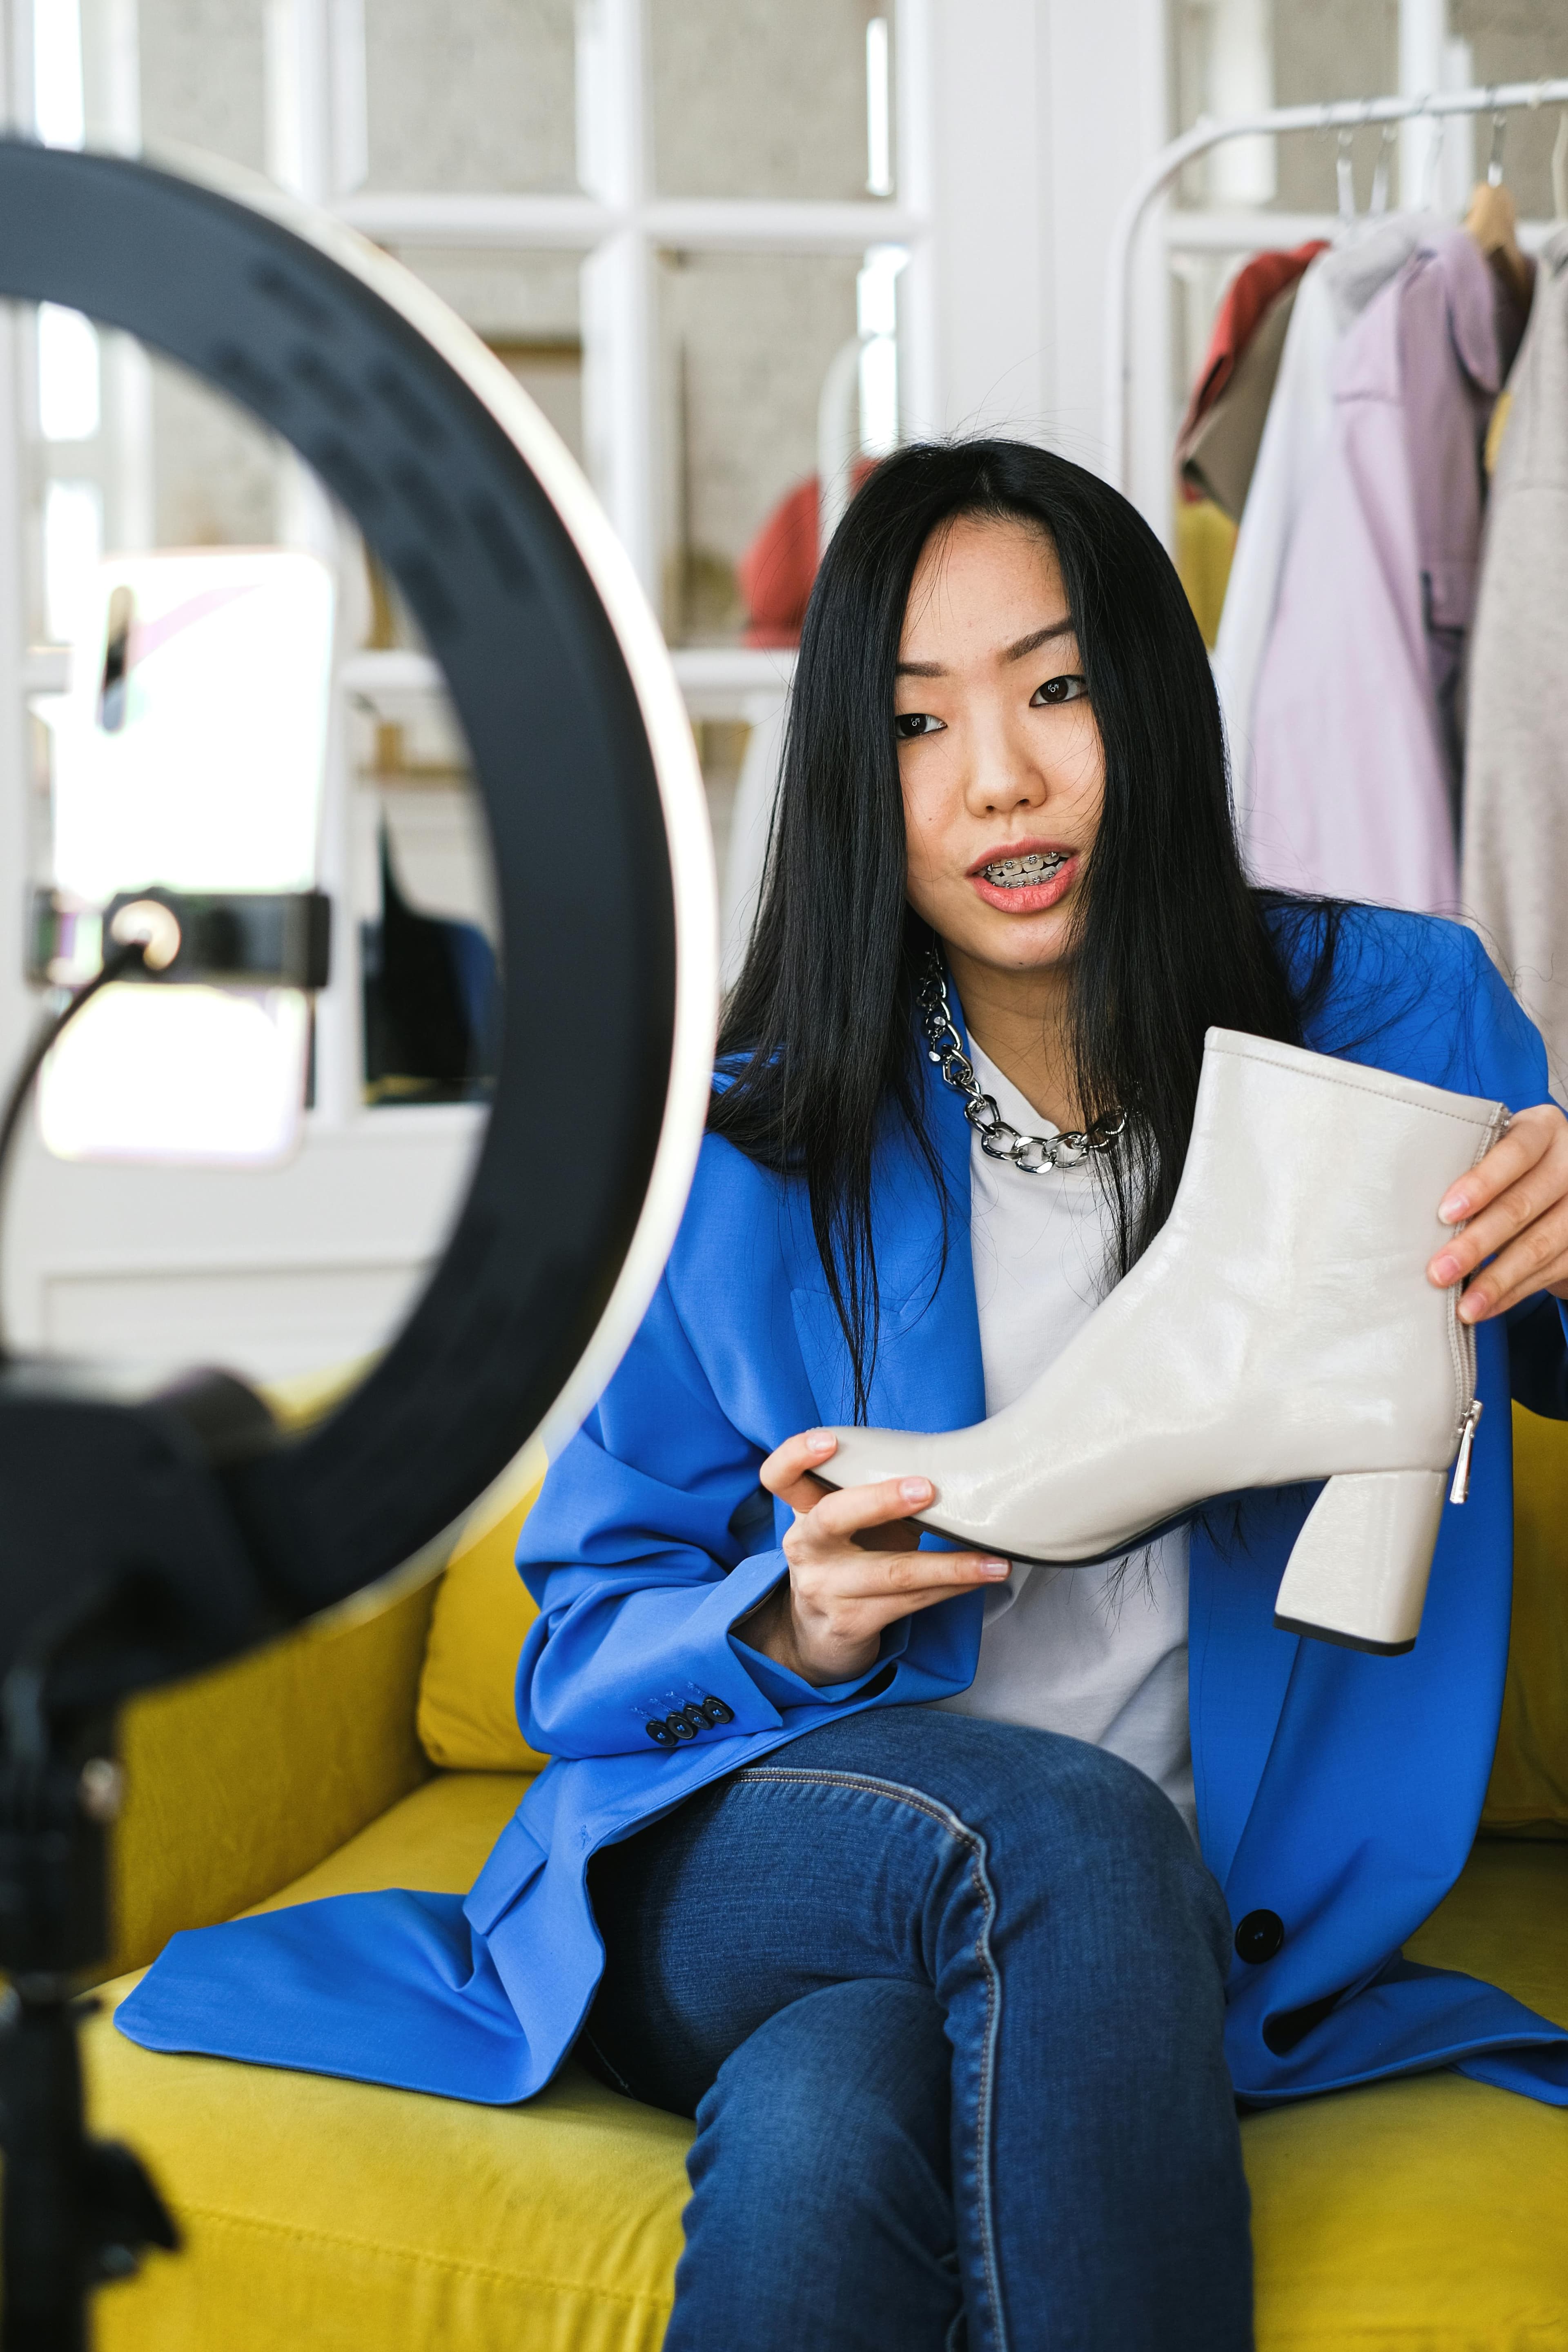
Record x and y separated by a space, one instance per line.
1063 628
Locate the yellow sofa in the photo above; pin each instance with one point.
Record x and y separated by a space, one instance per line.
378 1750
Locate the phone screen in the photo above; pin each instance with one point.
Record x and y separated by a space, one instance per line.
190 751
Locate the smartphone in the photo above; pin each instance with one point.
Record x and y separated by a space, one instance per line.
190 749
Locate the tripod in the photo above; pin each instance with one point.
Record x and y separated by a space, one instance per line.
76 2211
123 1513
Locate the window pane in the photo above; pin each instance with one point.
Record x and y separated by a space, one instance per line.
73 542
1515 41
69 393
423 892
203 76
527 306
193 581
746 342
1339 48
59 113
213 472
752 98
473 94
1238 57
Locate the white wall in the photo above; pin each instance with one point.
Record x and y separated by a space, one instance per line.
1043 111
990 179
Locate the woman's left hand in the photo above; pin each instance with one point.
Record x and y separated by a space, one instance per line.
1516 1200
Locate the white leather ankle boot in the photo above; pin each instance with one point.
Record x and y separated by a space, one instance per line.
1281 1327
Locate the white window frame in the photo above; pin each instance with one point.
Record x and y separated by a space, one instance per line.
318 144
373 1187
618 224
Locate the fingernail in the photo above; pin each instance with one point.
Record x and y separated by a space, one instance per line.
915 1490
996 1567
1445 1271
1471 1307
820 1440
1455 1207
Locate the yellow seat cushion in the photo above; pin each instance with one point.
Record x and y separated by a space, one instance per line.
1427 2215
321 1720
468 1703
1528 1796
1422 2216
326 2214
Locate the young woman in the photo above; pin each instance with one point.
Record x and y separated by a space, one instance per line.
943 1982
958 1905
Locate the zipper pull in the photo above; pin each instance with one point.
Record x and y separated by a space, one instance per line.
1461 1486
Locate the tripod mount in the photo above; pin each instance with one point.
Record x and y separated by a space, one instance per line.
130 1555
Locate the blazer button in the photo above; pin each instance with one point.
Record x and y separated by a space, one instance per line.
686 1723
659 1732
717 1712
1259 1936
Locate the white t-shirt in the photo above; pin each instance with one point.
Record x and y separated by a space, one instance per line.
1099 1653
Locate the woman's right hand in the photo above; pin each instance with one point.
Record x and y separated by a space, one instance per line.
854 1566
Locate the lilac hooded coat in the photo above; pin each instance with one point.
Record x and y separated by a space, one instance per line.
1356 777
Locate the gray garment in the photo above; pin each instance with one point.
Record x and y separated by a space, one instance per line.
1515 868
1217 457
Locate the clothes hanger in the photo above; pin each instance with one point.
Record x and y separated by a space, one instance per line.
1439 131
1344 174
1385 147
1493 218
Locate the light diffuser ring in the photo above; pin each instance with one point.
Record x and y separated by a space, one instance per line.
584 760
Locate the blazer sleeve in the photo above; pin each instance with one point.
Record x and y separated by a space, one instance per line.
1508 1062
649 1544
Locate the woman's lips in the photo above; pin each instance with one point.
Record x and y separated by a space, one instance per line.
1033 898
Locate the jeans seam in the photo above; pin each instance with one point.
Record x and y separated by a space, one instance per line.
966 1835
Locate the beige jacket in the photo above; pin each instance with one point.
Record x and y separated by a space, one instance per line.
1515 860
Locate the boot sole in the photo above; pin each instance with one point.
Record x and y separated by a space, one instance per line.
1297 1625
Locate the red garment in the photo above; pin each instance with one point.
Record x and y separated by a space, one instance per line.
775 573
1250 292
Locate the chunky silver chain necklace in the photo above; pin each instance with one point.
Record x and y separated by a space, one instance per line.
1032 1154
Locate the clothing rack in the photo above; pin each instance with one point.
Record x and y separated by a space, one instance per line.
1344 115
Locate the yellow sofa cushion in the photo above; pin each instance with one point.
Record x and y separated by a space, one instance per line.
1421 2216
319 2213
238 1779
1529 1792
467 1707
1426 2215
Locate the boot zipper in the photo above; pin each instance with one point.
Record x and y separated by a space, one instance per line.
1470 1413
1461 1486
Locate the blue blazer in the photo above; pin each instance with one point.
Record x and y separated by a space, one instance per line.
1339 1790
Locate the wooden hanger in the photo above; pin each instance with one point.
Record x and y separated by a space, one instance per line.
1493 220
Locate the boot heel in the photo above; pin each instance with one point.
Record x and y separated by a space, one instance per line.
1358 1573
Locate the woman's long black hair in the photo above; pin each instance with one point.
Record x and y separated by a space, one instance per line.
819 1036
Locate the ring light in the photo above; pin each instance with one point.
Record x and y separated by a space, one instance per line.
148 1532
585 764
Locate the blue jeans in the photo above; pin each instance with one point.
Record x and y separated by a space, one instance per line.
945 1997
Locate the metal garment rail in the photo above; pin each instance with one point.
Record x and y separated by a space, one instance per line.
1349 114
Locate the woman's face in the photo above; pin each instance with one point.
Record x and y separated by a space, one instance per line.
1000 758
